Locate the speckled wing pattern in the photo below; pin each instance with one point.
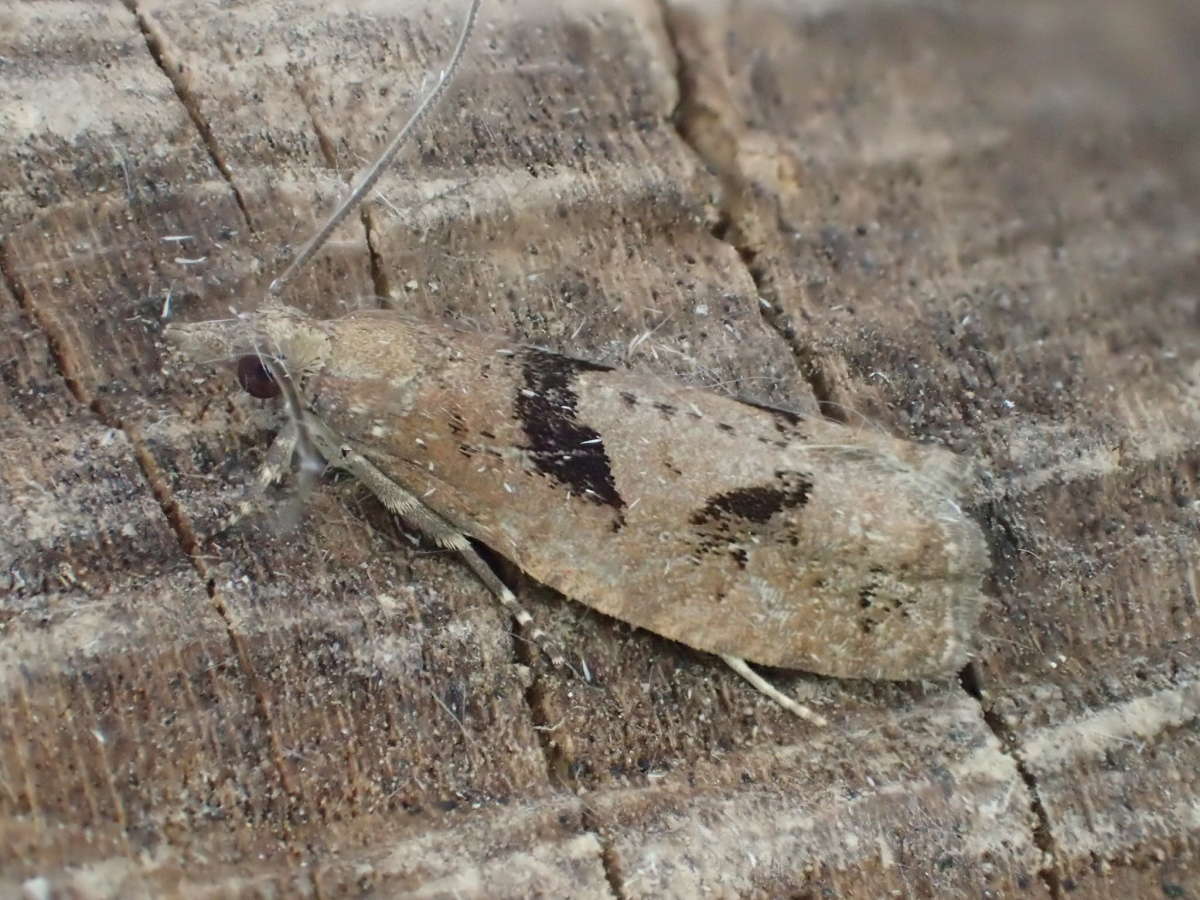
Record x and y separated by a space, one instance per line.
730 527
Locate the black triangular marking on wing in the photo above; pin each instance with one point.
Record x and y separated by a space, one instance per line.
560 446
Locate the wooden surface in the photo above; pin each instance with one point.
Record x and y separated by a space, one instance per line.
970 224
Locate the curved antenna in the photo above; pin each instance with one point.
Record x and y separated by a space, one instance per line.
367 179
303 443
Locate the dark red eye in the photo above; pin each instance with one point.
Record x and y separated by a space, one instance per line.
255 379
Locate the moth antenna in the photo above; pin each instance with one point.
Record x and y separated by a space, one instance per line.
367 179
304 448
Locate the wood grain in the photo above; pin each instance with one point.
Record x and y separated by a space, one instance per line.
973 225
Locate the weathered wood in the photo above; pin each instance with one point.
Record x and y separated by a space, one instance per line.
977 225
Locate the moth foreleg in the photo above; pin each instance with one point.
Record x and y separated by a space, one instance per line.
739 665
279 457
417 515
276 464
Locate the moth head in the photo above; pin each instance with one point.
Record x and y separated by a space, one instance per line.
275 345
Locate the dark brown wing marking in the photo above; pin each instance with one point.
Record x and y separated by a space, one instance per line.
727 519
560 446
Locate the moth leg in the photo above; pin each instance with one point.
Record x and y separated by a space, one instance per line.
417 515
276 464
279 457
739 665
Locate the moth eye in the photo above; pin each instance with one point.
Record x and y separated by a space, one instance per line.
255 379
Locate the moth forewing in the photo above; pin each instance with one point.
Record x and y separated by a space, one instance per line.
729 527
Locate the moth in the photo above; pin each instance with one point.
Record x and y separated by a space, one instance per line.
753 533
